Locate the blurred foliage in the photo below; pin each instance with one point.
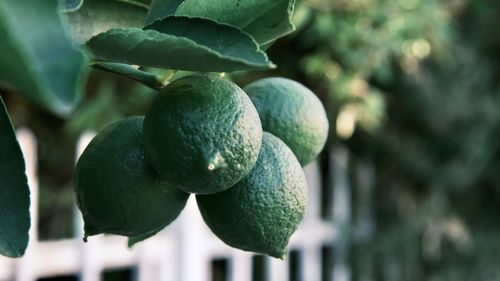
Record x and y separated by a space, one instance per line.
411 86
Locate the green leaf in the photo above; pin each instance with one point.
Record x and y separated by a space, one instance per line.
162 8
14 192
181 43
97 16
131 72
265 20
37 56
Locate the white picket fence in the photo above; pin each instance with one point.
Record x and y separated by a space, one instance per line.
185 250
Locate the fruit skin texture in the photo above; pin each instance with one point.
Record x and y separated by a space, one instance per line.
202 134
293 113
117 190
262 211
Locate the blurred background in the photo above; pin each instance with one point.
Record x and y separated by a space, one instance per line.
412 90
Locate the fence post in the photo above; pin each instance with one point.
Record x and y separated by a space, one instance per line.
241 266
150 259
310 261
90 258
194 265
27 142
339 158
278 269
363 223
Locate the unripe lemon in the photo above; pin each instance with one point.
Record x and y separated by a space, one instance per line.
202 134
293 113
117 190
262 211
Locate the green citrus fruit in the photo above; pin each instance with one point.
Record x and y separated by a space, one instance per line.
202 134
117 190
293 113
262 211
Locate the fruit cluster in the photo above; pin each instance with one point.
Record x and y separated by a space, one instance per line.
240 152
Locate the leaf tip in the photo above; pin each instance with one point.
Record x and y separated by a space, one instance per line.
131 243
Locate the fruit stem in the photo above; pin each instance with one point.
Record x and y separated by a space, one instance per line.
165 78
132 72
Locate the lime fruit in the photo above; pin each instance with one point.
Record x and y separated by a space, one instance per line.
202 134
291 112
117 190
262 211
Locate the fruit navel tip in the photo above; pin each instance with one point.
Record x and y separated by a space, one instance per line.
215 161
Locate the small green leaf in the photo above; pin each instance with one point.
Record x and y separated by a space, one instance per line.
131 72
265 20
14 192
37 56
181 43
96 16
162 8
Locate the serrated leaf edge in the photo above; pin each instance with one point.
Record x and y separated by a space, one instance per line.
290 9
255 43
159 35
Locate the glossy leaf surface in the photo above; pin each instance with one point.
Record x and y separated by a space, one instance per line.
14 192
265 20
181 43
37 56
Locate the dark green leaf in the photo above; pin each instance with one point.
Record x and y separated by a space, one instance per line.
265 20
162 8
37 56
14 192
131 72
181 43
96 16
